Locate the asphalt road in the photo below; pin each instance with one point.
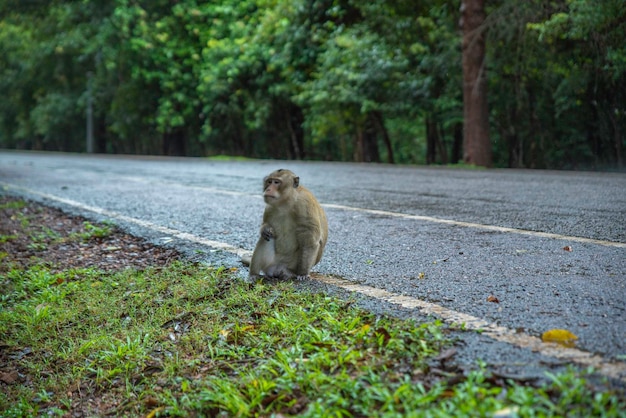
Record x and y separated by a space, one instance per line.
448 237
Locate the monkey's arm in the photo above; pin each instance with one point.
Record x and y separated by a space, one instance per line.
267 232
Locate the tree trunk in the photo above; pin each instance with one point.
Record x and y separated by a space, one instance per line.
379 122
431 140
476 144
370 142
358 146
366 148
617 140
294 119
174 143
441 144
457 144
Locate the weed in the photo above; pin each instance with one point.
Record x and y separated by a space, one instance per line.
7 238
194 341
13 205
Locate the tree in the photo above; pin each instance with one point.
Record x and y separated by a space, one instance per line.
476 143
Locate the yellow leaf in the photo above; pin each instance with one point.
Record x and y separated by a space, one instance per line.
155 411
560 336
362 330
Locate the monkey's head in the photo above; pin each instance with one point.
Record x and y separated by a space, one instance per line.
279 185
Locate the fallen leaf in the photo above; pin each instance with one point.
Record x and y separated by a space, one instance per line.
448 393
224 334
568 248
246 328
20 354
155 411
382 332
150 402
9 377
492 298
508 412
421 275
561 337
361 330
446 354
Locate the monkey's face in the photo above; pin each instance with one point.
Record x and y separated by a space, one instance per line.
279 186
272 190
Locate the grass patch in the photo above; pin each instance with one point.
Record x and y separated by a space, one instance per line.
189 340
228 158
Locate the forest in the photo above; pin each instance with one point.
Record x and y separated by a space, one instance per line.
341 80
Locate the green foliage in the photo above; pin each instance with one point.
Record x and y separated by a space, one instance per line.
567 78
321 79
188 340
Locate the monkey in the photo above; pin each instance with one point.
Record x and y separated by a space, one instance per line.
294 229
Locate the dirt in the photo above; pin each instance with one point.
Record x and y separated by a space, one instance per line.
31 233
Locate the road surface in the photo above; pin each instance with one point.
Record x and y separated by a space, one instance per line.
437 242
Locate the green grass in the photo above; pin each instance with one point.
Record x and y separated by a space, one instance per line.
229 158
191 340
93 231
13 204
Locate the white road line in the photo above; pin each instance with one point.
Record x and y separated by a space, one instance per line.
613 369
432 219
481 226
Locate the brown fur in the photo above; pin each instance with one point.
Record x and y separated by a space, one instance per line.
294 229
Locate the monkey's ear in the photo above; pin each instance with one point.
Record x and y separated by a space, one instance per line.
296 182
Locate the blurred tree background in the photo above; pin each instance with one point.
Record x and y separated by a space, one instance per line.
345 80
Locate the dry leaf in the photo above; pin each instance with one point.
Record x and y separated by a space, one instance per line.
9 377
246 328
446 354
562 337
568 248
384 333
422 276
493 299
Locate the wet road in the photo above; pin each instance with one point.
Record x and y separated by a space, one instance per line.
448 237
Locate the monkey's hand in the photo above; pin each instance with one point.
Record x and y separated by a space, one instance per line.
267 232
303 277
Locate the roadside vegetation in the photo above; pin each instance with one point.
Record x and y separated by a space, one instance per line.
181 339
341 80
